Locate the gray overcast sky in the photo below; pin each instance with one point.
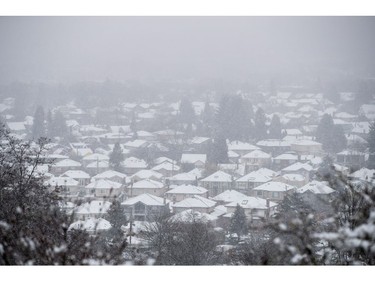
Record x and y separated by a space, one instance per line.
96 48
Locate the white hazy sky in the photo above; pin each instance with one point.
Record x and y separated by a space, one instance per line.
96 48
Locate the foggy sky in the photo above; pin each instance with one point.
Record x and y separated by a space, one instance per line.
98 48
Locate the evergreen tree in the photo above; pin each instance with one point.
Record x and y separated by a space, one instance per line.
218 151
59 125
238 222
116 216
187 113
260 130
332 137
275 128
116 157
371 146
38 129
50 127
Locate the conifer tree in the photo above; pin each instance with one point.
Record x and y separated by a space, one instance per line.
260 130
238 222
275 128
38 128
116 157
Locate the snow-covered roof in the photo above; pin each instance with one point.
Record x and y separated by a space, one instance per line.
93 207
62 181
133 162
218 176
95 157
316 187
267 172
183 177
191 216
91 225
67 163
147 199
364 174
76 174
136 143
238 145
109 174
98 164
166 166
160 160
193 158
147 183
273 143
195 202
293 177
305 142
16 126
250 202
257 154
254 176
146 174
229 196
274 186
286 156
199 140
186 189
298 166
103 184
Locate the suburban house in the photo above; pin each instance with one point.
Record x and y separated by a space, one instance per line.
183 178
82 177
241 148
303 169
95 168
196 203
155 188
178 193
190 161
145 207
104 189
217 183
167 169
228 196
256 159
296 180
68 187
132 165
303 147
246 183
275 191
64 165
351 158
284 160
255 208
95 157
147 174
112 176
274 146
94 209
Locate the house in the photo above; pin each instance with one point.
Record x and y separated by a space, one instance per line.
64 165
178 193
91 225
190 216
17 127
255 208
246 183
229 196
167 169
367 110
145 207
241 148
303 147
155 188
132 165
97 167
273 146
147 174
351 158
113 176
68 187
217 183
364 174
94 209
284 160
236 170
195 203
256 159
82 177
103 188
200 144
275 191
95 157
317 195
183 178
190 161
296 180
303 169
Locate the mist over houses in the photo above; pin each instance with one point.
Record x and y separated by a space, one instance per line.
188 156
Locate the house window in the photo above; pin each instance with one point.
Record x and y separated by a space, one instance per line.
275 194
259 193
139 208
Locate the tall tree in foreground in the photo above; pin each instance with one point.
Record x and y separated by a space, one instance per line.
116 157
371 146
33 228
331 136
38 128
